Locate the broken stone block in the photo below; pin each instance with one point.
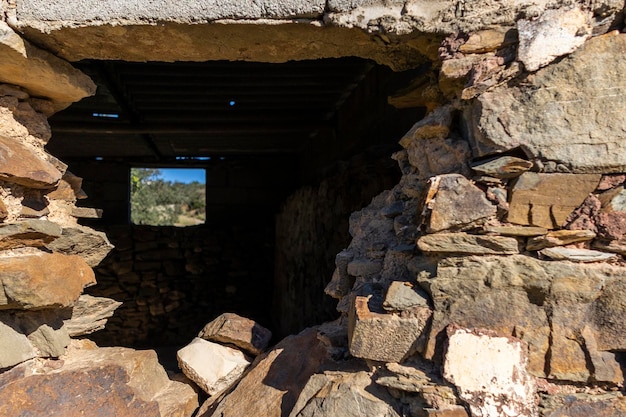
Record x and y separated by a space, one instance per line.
402 296
546 200
107 381
91 245
490 373
590 406
614 246
384 337
213 367
585 216
34 233
277 378
338 393
611 218
555 33
39 72
20 165
504 167
87 213
69 189
463 243
43 328
559 238
489 40
90 314
436 125
364 268
433 156
518 231
452 411
16 348
42 280
577 255
239 331
456 203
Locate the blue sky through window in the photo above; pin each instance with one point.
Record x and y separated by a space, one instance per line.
184 175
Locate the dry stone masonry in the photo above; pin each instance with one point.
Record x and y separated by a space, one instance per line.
488 282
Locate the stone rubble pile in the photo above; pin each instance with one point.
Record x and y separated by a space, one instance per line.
46 262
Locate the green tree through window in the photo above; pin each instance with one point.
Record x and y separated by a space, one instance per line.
157 202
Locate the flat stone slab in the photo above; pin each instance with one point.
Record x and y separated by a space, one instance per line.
233 329
42 280
521 231
577 255
504 167
559 238
213 367
404 296
22 166
91 245
463 243
90 314
33 233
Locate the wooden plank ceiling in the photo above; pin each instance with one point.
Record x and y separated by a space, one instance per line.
158 112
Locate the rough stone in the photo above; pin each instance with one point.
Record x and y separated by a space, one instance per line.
432 157
559 238
456 204
577 255
34 233
213 367
555 33
610 181
277 378
89 244
87 213
44 329
402 295
13 91
42 280
489 40
436 125
504 167
521 231
384 337
586 215
548 114
69 189
90 314
614 246
22 166
474 357
611 218
39 72
463 243
103 382
344 394
239 331
546 200
4 212
16 348
598 408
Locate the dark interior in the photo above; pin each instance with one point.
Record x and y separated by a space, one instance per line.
290 150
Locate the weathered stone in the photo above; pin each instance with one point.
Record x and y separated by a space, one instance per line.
608 315
463 243
14 91
89 244
34 233
454 74
548 116
42 280
614 246
502 167
69 188
39 72
555 33
577 255
276 379
474 357
384 337
433 157
22 166
546 200
87 212
585 216
436 125
90 314
344 394
403 296
611 180
4 212
452 411
239 331
44 329
598 408
103 382
521 231
34 209
364 268
16 348
213 367
611 218
456 203
489 40
559 238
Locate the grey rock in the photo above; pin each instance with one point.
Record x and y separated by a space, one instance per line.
43 328
89 244
364 268
522 231
90 314
502 167
35 233
435 156
232 329
403 296
455 204
559 238
548 113
577 255
555 33
15 347
463 243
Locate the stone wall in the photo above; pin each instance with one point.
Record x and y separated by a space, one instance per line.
172 280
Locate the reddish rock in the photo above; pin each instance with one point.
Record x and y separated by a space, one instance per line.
33 233
4 212
22 166
559 238
42 280
615 407
98 383
612 180
239 331
69 188
276 378
584 217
